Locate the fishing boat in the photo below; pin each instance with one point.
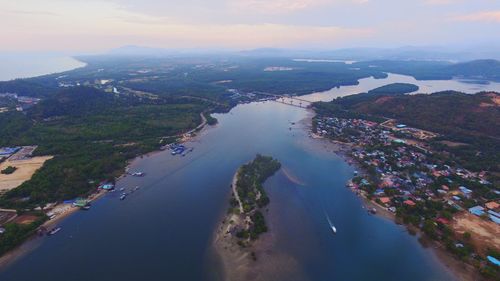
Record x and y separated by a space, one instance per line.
54 231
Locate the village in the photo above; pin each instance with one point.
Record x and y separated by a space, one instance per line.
399 172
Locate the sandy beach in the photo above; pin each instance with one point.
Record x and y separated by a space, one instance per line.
260 261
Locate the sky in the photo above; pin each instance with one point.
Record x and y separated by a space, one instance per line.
100 25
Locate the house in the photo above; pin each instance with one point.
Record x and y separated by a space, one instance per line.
385 200
409 203
492 205
466 192
477 210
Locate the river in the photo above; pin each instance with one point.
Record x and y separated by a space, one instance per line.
164 230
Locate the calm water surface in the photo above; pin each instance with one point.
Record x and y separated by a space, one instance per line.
164 230
425 86
16 65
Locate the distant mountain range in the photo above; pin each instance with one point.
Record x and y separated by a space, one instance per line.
357 54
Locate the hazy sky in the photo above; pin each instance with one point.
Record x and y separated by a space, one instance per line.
98 25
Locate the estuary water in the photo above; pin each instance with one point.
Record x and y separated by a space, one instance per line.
164 231
425 86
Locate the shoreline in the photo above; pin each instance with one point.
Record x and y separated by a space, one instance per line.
260 261
460 270
24 248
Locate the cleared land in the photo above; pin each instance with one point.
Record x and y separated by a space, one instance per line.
484 233
25 170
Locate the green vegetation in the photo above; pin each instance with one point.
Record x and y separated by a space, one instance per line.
91 134
211 120
9 170
252 194
15 233
458 117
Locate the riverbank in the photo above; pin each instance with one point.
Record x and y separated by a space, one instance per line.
62 211
459 269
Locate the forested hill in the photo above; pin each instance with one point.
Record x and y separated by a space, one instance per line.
482 70
478 69
445 112
469 120
386 90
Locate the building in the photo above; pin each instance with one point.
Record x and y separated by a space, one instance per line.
492 205
409 203
385 200
7 151
477 210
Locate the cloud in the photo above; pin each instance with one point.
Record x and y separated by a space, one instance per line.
30 13
487 16
287 6
440 2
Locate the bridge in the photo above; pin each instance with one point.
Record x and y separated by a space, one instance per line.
288 100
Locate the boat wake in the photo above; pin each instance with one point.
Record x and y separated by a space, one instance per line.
334 229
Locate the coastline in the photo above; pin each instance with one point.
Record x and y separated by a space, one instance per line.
460 270
68 210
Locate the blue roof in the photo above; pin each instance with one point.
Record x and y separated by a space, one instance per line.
495 219
491 212
477 210
8 150
493 260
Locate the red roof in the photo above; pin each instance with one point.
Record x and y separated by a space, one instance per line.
409 203
442 220
385 200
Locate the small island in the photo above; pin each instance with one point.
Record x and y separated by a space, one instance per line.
245 222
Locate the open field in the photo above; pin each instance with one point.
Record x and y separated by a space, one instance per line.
484 233
25 170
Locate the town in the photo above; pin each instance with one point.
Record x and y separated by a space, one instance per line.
400 172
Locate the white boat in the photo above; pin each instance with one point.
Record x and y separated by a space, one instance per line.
334 229
54 231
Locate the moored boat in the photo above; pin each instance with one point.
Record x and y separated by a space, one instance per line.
54 231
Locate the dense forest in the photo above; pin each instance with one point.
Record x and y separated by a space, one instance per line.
91 134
